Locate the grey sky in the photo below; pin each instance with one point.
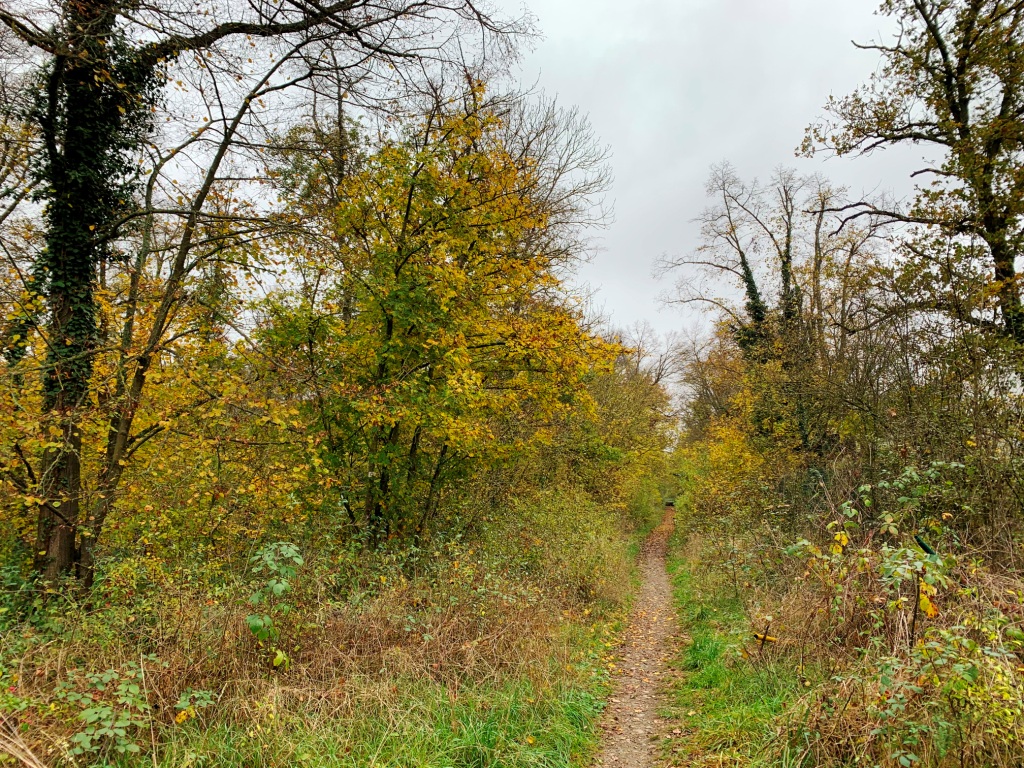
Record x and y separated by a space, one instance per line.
676 85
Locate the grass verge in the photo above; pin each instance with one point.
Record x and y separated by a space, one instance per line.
729 693
495 655
412 722
422 724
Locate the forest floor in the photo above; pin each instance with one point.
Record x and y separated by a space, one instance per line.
630 725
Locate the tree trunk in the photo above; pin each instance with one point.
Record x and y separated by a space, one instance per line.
1008 293
56 550
77 121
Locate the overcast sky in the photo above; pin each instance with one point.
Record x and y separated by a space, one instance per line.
673 86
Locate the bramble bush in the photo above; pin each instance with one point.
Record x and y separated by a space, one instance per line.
910 642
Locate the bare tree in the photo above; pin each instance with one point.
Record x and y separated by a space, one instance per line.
763 240
782 246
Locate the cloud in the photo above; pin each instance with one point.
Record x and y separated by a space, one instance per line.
676 85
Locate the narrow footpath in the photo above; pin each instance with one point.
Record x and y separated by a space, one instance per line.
630 723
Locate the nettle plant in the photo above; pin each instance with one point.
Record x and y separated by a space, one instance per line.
276 564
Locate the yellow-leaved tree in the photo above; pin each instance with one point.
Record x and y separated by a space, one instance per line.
427 303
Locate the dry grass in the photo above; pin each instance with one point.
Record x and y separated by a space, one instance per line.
484 616
11 743
895 685
211 648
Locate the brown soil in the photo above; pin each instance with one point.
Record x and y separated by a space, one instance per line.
630 723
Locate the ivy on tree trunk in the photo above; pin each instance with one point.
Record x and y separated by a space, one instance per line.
92 111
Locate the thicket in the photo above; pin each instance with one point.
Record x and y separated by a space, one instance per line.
853 448
308 454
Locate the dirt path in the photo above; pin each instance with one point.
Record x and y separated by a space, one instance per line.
630 723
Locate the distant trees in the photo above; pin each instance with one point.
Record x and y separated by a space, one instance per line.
781 246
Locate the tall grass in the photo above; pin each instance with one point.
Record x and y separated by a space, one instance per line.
408 723
484 651
730 690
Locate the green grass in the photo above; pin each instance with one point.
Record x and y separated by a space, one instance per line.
507 725
726 706
415 723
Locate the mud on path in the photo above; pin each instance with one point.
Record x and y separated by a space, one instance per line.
630 722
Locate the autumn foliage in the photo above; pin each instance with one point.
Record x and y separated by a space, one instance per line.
378 431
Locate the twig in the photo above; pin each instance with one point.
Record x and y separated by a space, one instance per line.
15 746
917 605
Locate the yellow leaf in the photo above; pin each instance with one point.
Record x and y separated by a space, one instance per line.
928 607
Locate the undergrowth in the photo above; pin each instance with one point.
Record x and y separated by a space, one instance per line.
731 688
483 650
881 639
